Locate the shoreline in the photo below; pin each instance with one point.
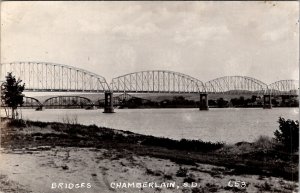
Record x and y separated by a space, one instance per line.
241 159
237 125
179 107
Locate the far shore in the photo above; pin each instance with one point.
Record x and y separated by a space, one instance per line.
262 164
88 107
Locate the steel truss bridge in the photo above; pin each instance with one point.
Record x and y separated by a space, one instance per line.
68 101
51 77
122 99
157 81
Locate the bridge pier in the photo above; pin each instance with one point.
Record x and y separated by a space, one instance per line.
203 102
40 108
108 102
267 101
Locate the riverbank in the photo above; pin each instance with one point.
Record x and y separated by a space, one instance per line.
228 125
75 153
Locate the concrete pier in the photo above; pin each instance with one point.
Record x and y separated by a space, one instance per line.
108 103
40 108
267 101
203 102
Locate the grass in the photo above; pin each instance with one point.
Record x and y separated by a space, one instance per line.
94 133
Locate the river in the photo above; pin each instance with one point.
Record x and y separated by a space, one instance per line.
229 125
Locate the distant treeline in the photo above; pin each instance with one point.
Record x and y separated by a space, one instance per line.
254 101
182 102
175 102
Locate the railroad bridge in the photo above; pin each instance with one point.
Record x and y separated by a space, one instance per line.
51 77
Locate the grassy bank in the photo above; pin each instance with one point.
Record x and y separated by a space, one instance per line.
262 157
89 136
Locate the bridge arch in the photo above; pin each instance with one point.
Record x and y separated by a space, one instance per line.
121 99
284 87
157 81
68 101
27 102
235 85
44 76
31 102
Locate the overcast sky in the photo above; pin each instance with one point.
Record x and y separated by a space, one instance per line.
205 40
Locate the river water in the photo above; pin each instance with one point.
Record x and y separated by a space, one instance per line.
229 125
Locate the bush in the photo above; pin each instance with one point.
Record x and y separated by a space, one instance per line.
189 179
181 172
288 134
168 176
264 142
37 124
183 144
18 123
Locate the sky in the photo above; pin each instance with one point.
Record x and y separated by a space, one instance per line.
205 40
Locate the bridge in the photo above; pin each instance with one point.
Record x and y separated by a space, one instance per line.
51 77
125 100
157 81
68 102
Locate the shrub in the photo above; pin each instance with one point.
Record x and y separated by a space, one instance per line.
189 179
264 142
18 123
154 173
37 123
168 176
181 172
288 134
266 187
183 144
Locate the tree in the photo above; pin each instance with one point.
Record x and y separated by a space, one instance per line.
12 93
253 98
221 103
288 134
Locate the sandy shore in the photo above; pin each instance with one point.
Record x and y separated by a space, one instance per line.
35 171
38 157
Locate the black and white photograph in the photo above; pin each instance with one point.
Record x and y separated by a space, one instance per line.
149 96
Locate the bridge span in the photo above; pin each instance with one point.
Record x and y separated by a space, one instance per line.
51 77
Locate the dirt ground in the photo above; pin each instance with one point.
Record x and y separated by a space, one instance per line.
29 164
35 170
